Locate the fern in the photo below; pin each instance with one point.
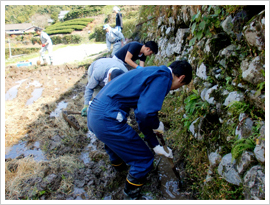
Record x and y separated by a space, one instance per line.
240 146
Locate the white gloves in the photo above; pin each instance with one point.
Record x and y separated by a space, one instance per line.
160 151
160 128
90 102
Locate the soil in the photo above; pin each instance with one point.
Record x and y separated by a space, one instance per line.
74 164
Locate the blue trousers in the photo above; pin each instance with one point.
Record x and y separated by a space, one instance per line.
122 143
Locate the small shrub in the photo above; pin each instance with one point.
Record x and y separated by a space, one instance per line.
35 40
66 31
56 39
240 146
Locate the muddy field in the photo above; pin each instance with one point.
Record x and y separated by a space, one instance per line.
46 159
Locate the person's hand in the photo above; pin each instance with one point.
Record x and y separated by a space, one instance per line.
43 45
160 151
160 128
139 67
84 110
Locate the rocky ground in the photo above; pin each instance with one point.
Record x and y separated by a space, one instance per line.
46 159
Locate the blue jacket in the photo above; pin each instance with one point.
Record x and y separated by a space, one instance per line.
143 90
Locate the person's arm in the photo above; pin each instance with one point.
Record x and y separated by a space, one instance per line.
149 103
142 63
47 38
129 61
108 44
89 89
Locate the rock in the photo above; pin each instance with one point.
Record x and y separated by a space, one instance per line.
201 72
227 170
233 96
180 40
214 159
254 184
256 99
255 32
259 150
245 161
244 129
253 72
227 25
210 100
195 128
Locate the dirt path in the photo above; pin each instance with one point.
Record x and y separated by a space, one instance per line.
73 54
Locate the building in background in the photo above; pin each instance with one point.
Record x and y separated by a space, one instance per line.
19 29
61 15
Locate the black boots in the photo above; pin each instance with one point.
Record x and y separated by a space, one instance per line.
133 188
119 167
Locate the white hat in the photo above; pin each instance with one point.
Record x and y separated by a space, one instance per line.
115 8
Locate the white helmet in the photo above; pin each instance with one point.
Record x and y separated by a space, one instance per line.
115 8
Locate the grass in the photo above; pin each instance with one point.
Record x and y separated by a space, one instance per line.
28 168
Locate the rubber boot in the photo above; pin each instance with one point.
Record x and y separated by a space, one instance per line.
133 187
119 166
44 62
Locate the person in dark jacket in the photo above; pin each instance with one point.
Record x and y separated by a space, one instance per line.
144 91
119 20
133 51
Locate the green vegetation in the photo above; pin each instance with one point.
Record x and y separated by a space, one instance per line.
240 146
68 26
82 11
18 51
24 13
205 25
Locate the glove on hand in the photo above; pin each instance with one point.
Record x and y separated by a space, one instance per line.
84 110
139 67
43 45
160 128
160 151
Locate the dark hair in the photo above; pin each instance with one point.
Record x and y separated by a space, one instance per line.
38 29
116 73
182 67
152 45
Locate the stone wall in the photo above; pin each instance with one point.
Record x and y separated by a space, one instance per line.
228 68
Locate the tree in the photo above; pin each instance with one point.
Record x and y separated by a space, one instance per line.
40 20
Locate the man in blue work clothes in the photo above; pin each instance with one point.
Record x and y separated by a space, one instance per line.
143 90
134 51
100 72
115 37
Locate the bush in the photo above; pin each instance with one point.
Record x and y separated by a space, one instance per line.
75 27
56 39
66 31
67 39
35 40
76 38
100 34
19 51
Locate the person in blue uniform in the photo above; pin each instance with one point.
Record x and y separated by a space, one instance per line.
133 51
144 91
